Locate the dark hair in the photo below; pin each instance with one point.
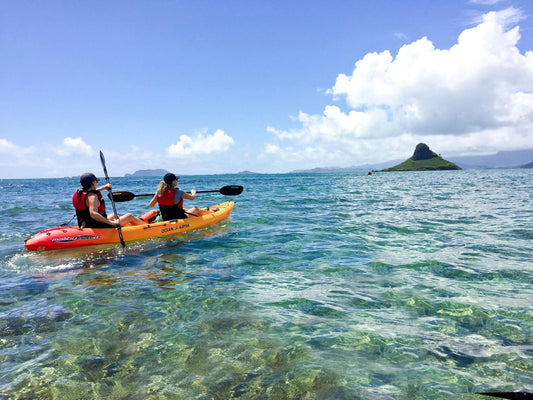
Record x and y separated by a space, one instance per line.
169 178
87 179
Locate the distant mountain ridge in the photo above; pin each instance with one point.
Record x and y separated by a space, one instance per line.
501 159
148 172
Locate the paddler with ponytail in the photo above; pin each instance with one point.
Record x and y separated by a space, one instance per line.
170 200
90 206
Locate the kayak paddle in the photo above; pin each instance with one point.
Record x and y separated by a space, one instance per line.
509 395
119 229
232 190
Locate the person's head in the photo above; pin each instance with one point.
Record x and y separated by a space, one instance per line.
170 178
87 180
167 183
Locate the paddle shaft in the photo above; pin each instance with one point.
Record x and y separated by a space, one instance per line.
119 228
232 190
208 191
151 194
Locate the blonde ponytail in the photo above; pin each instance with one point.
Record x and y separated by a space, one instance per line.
163 186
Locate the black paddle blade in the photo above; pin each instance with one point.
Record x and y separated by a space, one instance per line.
233 190
121 196
102 160
510 395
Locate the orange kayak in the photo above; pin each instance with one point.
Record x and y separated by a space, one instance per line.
71 236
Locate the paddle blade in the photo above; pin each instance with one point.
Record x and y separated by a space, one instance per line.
233 190
121 196
102 160
509 395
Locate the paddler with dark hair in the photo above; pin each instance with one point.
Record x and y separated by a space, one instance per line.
90 206
170 200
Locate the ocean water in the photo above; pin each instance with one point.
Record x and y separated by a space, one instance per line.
414 285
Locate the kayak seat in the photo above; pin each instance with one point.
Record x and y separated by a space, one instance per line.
150 216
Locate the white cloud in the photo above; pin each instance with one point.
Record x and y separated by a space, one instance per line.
69 157
7 147
218 142
74 146
485 2
400 35
13 154
508 17
73 156
480 90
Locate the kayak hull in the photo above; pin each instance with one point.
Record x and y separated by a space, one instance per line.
71 236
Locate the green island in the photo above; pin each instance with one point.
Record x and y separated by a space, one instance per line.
147 172
423 159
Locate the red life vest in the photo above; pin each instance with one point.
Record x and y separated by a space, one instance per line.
168 209
168 198
79 200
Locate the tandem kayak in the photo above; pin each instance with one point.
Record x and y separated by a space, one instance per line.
71 236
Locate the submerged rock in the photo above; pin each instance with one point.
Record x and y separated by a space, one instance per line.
37 315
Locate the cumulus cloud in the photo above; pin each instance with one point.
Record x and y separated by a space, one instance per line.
202 143
7 147
13 153
507 18
45 159
73 155
74 146
480 87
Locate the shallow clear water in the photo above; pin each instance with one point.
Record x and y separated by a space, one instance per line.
319 286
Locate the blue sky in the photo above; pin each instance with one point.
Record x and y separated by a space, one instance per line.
202 87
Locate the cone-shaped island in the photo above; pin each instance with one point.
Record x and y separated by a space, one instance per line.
424 159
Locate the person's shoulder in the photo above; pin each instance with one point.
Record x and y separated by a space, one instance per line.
93 193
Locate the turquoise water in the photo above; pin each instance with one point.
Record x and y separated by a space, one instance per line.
319 286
